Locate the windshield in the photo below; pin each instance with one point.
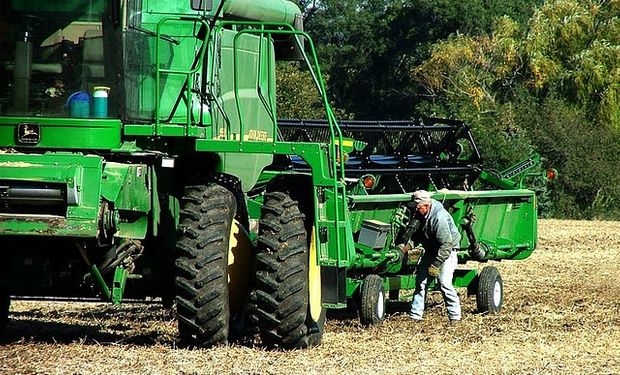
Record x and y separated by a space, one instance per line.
52 58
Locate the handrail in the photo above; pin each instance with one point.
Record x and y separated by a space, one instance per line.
187 73
336 137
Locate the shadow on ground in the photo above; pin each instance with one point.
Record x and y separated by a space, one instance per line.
134 325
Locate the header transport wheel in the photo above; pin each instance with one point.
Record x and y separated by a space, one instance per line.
285 316
203 312
372 307
490 294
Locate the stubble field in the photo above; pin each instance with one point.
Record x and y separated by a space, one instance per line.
561 315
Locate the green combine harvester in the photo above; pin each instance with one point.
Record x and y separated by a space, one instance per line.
142 157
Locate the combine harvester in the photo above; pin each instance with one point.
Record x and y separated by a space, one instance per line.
141 158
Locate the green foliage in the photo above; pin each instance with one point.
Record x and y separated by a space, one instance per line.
572 47
584 155
552 86
369 47
298 96
354 50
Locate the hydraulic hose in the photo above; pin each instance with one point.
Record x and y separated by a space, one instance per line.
476 251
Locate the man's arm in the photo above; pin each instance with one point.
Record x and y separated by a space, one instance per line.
445 240
407 238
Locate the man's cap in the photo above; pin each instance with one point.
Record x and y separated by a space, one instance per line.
420 196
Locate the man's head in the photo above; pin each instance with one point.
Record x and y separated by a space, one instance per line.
421 200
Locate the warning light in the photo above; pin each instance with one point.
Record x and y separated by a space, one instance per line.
551 174
369 181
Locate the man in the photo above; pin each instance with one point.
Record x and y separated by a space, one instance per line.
440 239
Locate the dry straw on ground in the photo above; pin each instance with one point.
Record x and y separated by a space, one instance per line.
561 316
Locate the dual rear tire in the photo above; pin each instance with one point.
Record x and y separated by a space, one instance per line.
284 305
289 312
202 297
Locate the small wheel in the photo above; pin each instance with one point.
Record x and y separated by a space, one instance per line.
372 308
490 294
5 303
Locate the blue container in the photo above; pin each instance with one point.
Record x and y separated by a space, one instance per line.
79 104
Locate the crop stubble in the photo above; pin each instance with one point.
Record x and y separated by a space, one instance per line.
561 315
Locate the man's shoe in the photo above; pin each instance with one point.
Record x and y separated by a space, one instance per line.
455 322
415 318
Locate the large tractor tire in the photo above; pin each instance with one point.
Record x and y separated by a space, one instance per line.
289 309
372 301
202 298
490 293
5 303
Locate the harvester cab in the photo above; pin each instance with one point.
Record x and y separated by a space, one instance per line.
142 157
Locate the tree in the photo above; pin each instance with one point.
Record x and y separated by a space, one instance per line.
352 45
369 47
555 84
573 48
298 96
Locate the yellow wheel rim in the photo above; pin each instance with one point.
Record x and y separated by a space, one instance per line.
239 266
314 280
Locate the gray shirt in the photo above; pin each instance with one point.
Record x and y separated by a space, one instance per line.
438 234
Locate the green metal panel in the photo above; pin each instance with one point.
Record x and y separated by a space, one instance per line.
167 7
90 178
118 285
341 252
245 91
315 154
508 225
127 187
64 133
78 173
505 222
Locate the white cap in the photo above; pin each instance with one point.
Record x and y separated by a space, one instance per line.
421 196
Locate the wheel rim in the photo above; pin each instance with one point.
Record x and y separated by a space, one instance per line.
497 293
314 281
381 304
239 266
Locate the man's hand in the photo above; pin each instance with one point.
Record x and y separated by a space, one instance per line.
433 271
405 248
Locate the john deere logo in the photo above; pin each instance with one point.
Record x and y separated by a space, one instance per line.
28 133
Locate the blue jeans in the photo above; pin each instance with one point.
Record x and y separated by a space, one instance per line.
450 297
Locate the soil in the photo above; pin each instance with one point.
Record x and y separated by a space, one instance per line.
561 315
